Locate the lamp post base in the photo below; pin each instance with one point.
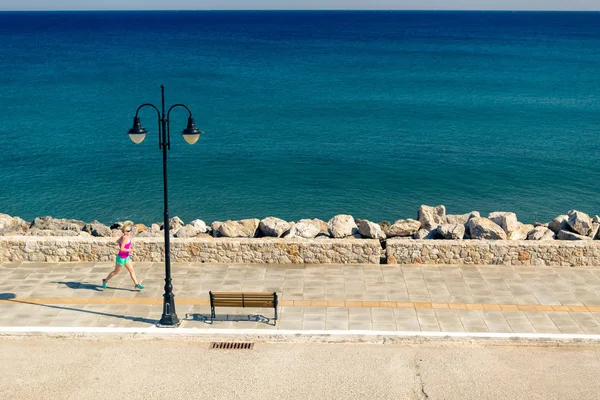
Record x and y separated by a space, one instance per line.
169 317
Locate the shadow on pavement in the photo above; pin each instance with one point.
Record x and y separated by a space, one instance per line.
7 296
229 318
125 317
91 286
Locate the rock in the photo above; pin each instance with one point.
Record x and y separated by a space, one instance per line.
215 228
579 222
506 220
342 226
13 225
403 228
594 231
100 230
305 228
139 228
186 231
566 235
484 228
540 233
48 232
431 217
456 219
384 225
521 233
49 223
371 230
560 223
274 227
175 223
452 231
97 229
246 228
155 228
149 233
425 234
199 226
596 219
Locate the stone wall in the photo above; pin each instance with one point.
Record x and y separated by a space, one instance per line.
492 252
315 251
264 250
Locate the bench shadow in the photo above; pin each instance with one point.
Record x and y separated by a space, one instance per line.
229 318
90 286
12 298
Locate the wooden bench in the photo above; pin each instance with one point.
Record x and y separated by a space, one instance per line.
244 300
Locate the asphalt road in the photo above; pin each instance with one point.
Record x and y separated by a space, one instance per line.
55 368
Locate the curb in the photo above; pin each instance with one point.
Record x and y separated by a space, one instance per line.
300 336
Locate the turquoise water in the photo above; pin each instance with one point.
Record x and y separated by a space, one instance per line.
306 114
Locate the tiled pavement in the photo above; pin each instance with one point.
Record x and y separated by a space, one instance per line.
314 297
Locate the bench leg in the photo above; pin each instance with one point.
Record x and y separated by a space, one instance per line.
212 314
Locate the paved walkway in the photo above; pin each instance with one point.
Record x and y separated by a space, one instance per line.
496 299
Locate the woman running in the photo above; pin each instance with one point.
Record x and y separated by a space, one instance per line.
123 258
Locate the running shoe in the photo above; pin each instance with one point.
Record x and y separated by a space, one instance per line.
103 284
139 287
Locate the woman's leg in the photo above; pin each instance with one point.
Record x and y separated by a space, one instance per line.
129 266
113 273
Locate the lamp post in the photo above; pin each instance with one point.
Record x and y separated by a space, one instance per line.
191 134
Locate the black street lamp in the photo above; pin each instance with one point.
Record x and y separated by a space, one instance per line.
191 134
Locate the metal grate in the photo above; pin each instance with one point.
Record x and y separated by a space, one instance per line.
232 346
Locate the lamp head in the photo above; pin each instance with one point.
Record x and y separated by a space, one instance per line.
191 133
137 133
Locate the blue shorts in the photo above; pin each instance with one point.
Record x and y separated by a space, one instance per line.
122 261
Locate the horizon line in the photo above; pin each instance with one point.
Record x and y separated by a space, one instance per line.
296 10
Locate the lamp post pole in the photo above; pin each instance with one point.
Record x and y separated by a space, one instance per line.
191 134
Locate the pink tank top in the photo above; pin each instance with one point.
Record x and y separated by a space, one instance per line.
125 254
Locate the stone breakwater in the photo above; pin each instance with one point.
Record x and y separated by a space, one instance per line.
434 237
432 223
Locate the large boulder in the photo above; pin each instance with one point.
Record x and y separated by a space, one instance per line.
245 228
484 228
506 220
451 231
431 217
560 223
13 225
403 228
541 233
199 226
456 219
566 235
579 222
57 224
521 232
186 231
274 227
342 226
306 229
371 230
175 223
423 234
97 229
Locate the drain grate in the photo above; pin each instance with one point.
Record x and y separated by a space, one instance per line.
232 346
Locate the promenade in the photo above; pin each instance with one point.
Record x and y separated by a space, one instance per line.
390 298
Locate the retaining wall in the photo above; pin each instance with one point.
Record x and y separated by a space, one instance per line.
501 252
298 251
264 250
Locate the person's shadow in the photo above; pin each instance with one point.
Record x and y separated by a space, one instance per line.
90 286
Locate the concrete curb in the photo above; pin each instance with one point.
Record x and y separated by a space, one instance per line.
300 336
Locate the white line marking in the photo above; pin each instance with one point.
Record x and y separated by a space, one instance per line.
154 331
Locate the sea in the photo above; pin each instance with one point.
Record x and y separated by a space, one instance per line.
305 114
